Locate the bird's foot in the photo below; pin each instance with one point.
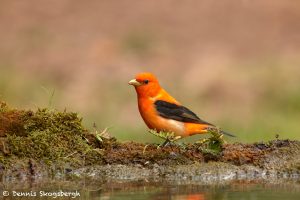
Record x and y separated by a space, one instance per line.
169 137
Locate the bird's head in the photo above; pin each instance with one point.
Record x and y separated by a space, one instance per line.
146 85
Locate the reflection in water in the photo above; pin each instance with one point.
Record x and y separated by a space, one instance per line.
139 190
190 197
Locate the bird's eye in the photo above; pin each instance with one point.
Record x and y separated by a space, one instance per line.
146 81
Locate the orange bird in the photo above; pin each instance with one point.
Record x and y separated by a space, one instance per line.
162 112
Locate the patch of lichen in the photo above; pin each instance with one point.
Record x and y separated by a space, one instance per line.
47 135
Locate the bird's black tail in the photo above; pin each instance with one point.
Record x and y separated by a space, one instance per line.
228 134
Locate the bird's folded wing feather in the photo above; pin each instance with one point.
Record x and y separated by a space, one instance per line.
177 112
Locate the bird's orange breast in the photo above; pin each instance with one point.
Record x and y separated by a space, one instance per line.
148 112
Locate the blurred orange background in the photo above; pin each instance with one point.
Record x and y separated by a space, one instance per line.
235 63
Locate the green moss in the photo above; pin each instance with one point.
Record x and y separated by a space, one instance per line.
47 135
53 121
3 106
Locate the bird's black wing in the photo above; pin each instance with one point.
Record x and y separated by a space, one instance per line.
177 112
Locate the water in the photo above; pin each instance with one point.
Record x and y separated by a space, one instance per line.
140 190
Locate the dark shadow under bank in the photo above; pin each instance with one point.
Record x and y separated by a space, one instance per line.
51 144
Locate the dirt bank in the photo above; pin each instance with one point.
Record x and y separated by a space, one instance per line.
52 144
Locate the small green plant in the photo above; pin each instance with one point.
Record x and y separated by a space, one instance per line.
104 134
51 96
212 145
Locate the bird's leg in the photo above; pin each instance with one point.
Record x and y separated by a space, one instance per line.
166 142
169 137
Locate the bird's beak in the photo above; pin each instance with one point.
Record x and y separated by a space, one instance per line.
134 82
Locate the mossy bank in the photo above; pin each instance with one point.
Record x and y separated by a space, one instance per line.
48 143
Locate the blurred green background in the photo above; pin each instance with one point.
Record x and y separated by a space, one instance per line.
235 63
